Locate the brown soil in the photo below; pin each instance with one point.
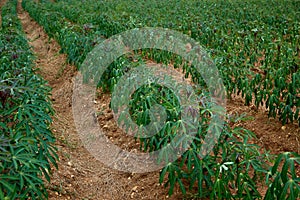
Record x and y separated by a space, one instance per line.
79 174
271 134
2 3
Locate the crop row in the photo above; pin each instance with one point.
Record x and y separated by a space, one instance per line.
255 47
26 142
76 41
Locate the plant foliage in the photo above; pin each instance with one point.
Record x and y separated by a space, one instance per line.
255 46
26 142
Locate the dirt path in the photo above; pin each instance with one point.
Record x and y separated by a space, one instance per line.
80 176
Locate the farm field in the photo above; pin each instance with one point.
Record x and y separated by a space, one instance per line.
255 46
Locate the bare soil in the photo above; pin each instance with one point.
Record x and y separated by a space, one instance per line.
2 3
79 174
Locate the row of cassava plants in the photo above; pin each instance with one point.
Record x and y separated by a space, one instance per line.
233 169
76 41
235 166
26 142
255 46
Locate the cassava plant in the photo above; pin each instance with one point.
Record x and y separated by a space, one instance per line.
282 178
